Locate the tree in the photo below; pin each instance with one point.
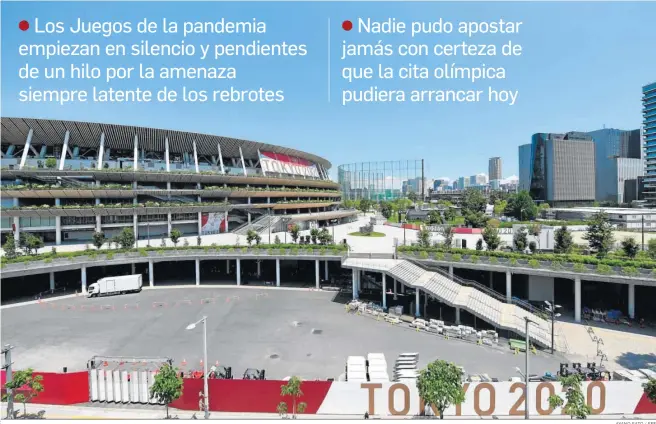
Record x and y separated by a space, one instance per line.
276 240
479 244
25 386
365 205
10 247
412 196
175 235
650 390
472 201
535 230
348 204
294 231
521 206
423 237
532 246
51 163
167 386
98 239
434 217
449 214
475 219
30 243
447 232
491 237
575 406
651 248
293 389
314 234
599 234
325 237
126 238
386 209
500 207
520 239
251 235
630 247
563 240
440 385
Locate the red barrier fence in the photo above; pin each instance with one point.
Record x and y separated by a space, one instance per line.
60 389
249 395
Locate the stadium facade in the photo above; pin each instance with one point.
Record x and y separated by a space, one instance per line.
63 180
388 180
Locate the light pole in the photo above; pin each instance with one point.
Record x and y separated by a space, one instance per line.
205 390
551 308
526 372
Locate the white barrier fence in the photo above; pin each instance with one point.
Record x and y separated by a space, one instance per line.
121 386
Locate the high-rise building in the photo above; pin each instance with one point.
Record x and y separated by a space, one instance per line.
649 136
525 166
441 183
561 168
494 169
618 157
463 182
478 179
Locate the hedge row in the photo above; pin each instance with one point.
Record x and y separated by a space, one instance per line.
552 257
270 248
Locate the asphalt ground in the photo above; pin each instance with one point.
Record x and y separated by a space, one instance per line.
284 331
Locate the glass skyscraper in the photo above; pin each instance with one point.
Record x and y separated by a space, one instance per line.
649 135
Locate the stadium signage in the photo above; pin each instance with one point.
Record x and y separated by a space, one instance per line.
487 399
284 164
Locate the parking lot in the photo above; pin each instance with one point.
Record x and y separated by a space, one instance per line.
284 331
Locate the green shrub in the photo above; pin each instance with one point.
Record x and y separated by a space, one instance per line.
512 262
629 270
534 264
46 260
474 259
110 255
494 260
439 256
556 265
423 254
604 269
456 257
579 267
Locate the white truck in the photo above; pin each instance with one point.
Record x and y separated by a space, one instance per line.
115 285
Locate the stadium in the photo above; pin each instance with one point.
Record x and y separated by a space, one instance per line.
63 180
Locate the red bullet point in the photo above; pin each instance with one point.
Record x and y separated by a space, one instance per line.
24 25
347 25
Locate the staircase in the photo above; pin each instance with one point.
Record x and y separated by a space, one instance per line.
260 225
64 181
484 304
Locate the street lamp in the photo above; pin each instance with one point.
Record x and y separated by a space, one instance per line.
526 373
205 390
551 308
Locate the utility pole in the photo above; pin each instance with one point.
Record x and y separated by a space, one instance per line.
422 180
6 352
642 230
526 370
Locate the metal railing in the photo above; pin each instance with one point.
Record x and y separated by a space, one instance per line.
480 287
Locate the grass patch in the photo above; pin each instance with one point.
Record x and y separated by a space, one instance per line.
371 234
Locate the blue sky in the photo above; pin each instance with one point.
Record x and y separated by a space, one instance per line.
582 68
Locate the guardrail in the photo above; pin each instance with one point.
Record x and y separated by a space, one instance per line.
108 257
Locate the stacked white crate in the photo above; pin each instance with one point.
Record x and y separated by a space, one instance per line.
377 367
405 367
356 368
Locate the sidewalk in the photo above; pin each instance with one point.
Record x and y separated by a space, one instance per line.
61 412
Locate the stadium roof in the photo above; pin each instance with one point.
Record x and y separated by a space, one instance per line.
51 132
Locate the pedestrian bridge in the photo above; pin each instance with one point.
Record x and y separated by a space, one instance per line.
503 315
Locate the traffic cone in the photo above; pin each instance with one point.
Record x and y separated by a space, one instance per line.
184 362
105 364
